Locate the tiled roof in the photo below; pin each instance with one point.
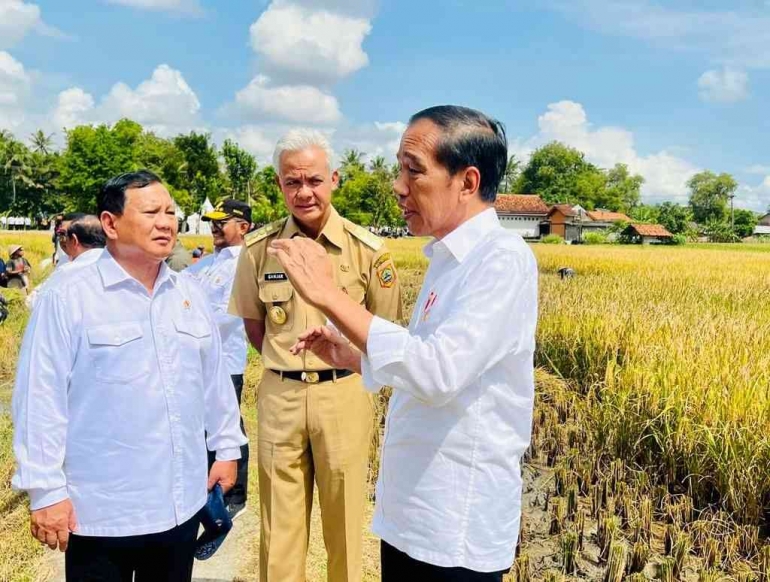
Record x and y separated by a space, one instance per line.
520 204
654 230
605 216
565 209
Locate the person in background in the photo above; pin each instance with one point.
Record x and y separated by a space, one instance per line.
460 416
196 256
83 240
315 420
180 258
18 269
230 221
120 388
59 256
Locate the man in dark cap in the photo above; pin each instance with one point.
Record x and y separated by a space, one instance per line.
230 221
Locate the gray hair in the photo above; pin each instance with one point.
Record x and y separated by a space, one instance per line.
300 139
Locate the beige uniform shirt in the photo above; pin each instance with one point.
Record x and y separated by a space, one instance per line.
363 268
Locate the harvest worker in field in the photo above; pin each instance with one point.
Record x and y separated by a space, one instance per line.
119 376
230 221
459 420
82 239
315 419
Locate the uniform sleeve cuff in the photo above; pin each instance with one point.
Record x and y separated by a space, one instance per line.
40 498
228 454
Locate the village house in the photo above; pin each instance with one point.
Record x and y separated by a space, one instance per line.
572 223
646 234
524 214
763 226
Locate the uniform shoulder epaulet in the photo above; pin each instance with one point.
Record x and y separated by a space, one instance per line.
264 232
372 241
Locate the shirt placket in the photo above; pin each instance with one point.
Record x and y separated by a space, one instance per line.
164 340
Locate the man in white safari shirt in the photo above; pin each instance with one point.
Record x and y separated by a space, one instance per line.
120 379
459 420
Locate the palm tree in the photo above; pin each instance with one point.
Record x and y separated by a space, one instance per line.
41 143
16 161
511 175
378 165
351 163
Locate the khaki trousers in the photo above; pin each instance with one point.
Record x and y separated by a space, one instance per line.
310 432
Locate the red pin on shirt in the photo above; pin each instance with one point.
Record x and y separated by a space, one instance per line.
428 304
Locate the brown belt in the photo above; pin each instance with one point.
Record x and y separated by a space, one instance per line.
313 377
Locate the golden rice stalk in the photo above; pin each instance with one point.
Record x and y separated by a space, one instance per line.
572 502
616 564
606 535
712 554
665 570
581 530
640 554
569 552
521 569
668 539
680 551
553 576
764 564
558 513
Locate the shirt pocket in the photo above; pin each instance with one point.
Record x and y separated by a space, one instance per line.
355 290
117 353
280 307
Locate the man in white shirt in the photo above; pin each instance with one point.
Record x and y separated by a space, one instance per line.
459 420
120 379
230 222
82 238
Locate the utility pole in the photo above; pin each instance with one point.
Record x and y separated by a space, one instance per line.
732 212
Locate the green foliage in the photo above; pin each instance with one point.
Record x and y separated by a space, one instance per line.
511 175
679 239
269 204
560 174
199 174
366 197
552 239
709 195
595 238
674 217
745 222
720 232
645 213
240 167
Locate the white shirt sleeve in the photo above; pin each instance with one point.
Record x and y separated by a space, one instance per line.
40 403
488 320
223 417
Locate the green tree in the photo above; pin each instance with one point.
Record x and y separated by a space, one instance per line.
199 174
93 155
745 222
269 204
351 164
709 195
240 167
645 213
511 175
367 197
674 217
41 143
623 191
553 172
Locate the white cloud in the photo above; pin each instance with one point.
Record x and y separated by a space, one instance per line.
725 86
19 18
258 141
755 198
165 103
179 6
294 103
314 45
758 168
15 86
73 107
566 121
735 36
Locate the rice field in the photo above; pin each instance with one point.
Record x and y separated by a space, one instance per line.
653 413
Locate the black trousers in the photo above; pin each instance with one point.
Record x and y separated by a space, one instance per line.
237 494
398 567
166 556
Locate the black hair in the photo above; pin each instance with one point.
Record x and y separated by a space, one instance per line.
470 138
89 231
112 197
73 216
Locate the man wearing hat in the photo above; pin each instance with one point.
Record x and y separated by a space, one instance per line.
314 421
230 221
17 269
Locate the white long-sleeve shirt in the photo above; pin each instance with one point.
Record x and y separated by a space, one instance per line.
83 260
216 274
115 390
460 417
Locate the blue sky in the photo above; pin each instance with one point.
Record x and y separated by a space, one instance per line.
668 87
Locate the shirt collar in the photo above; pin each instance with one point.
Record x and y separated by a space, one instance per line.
228 252
461 241
333 230
87 254
113 274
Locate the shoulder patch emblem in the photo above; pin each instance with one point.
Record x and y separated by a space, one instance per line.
372 241
264 232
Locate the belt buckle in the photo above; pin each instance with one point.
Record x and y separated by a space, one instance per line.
310 377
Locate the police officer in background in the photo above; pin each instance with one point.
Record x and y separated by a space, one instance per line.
314 422
230 221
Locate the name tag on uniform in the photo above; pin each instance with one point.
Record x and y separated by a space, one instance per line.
276 277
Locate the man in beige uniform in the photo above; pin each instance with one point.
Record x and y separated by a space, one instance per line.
314 422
